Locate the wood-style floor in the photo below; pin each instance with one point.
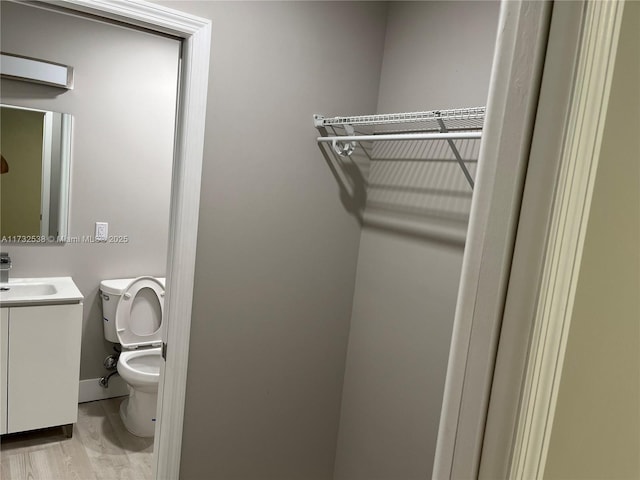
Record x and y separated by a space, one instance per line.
100 449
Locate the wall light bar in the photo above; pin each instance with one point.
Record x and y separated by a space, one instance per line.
18 67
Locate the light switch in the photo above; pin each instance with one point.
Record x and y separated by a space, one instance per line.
102 231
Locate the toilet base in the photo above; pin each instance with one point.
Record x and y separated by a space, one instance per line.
138 413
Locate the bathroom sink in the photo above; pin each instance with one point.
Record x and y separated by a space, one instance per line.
39 291
28 290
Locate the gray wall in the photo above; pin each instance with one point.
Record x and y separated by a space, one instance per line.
121 153
280 229
277 244
437 55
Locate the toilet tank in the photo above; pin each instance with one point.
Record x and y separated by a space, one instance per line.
110 292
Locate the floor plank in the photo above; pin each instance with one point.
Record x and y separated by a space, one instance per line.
138 450
101 449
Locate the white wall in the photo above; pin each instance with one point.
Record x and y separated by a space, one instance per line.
123 108
596 428
437 55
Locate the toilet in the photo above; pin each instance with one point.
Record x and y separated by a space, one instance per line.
132 310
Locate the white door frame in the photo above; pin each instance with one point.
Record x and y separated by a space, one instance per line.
504 153
195 33
561 264
542 276
531 239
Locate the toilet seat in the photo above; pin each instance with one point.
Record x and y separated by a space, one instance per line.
125 325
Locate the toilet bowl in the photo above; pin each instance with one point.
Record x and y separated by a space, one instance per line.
141 368
141 371
132 314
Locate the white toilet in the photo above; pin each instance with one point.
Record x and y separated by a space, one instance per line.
132 310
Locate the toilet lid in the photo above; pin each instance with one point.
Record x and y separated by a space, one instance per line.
140 312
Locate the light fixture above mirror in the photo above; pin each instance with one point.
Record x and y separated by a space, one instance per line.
18 67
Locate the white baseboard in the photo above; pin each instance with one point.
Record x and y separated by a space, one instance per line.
90 390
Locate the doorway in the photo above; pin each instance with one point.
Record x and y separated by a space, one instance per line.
193 35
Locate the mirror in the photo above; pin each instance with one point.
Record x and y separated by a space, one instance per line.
34 183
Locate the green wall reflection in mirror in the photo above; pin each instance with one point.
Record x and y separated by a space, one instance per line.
34 184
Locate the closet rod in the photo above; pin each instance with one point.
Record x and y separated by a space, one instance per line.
403 136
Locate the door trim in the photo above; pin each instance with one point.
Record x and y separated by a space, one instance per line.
572 201
195 34
504 153
531 239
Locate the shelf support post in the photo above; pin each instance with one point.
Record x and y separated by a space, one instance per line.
456 153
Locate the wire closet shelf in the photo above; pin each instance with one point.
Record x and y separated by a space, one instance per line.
449 125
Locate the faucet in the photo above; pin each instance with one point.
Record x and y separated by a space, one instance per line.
5 266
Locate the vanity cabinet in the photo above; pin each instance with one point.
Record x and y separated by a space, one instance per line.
4 350
40 366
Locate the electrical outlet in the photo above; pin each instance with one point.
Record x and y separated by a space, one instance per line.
102 231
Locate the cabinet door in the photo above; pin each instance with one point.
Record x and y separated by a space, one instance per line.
4 336
43 366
